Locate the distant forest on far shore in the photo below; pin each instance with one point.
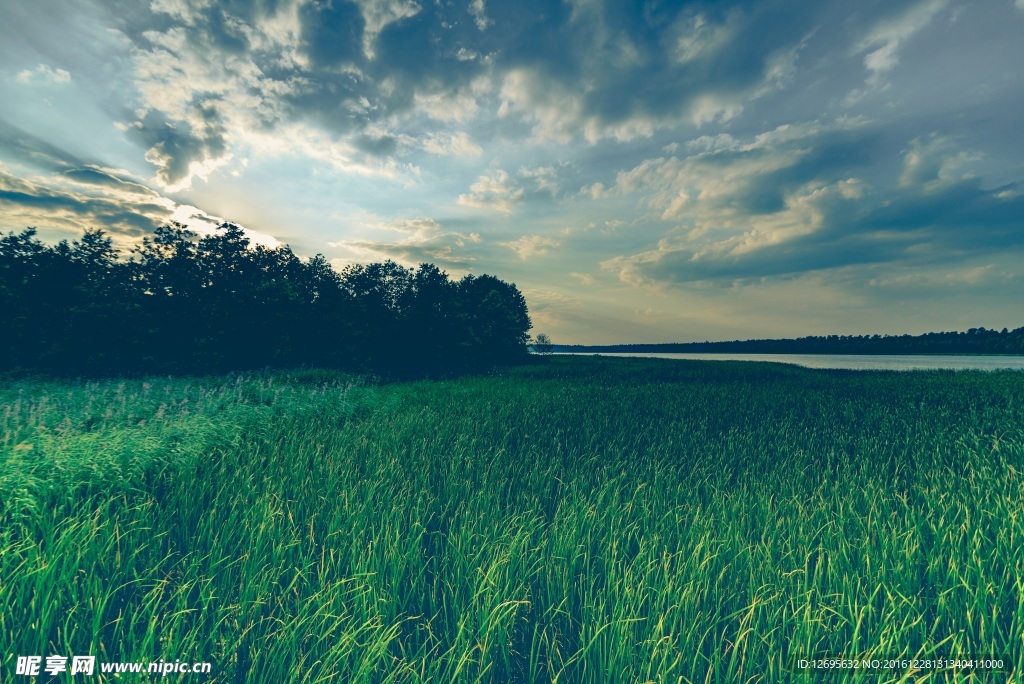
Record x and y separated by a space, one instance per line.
188 304
973 341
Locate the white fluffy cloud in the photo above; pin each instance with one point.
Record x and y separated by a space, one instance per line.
496 191
529 246
44 74
479 12
419 240
379 13
933 162
705 189
452 144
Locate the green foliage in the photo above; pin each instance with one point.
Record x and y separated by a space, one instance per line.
584 519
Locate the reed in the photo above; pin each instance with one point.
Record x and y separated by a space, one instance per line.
577 520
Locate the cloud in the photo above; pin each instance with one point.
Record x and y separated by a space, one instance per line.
77 199
339 82
63 204
452 144
781 204
584 278
544 176
933 162
65 173
529 246
549 309
378 14
479 12
94 175
204 108
716 188
188 11
192 148
44 74
946 279
769 244
496 192
376 82
883 41
224 85
306 143
421 240
701 38
195 106
458 107
203 224
622 76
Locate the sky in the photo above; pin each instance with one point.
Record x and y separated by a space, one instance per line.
642 171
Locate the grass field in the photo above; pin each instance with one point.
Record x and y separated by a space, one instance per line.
578 520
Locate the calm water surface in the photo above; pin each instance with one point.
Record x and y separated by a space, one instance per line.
855 361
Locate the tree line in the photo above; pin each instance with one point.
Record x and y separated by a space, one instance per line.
973 341
185 303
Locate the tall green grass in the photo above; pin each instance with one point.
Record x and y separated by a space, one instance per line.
581 520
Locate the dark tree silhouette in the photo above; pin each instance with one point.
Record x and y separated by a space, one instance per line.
542 345
495 319
195 304
973 341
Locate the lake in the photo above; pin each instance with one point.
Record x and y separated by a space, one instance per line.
851 361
